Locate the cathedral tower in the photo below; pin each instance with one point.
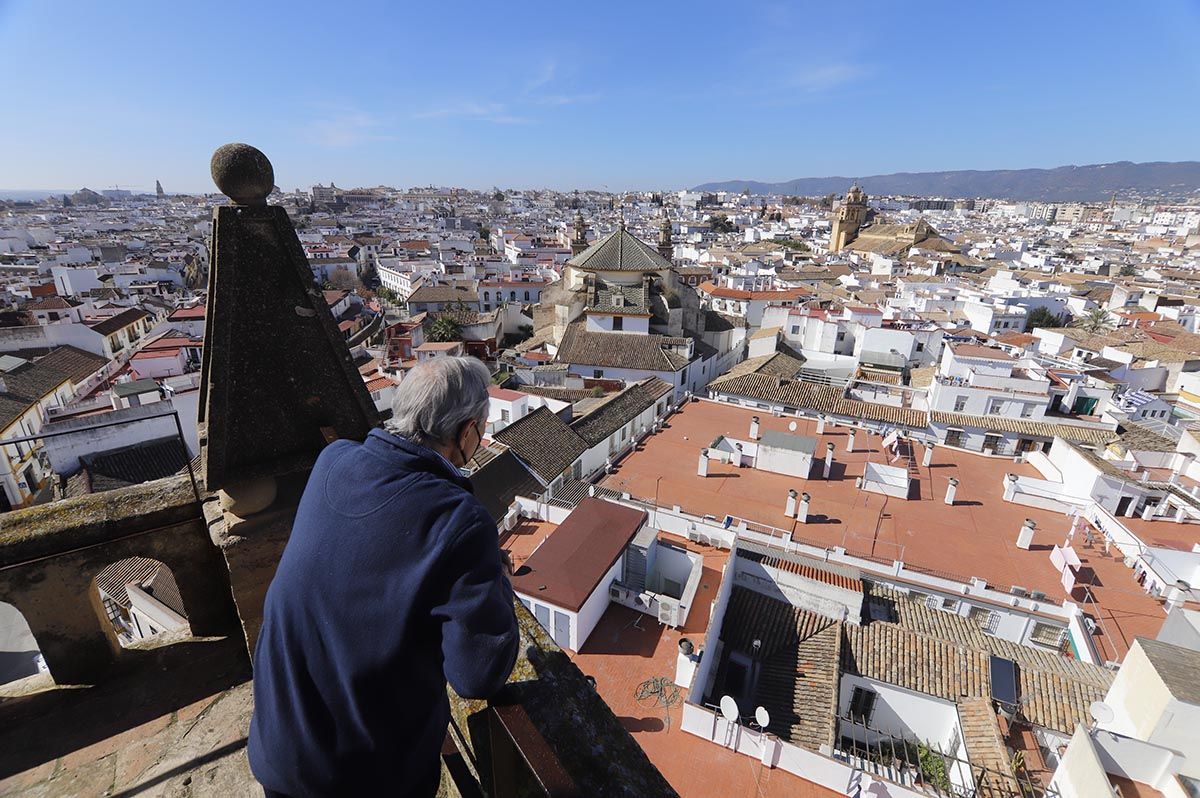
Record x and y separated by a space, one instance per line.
850 217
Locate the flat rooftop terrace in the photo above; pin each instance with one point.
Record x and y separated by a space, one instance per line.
974 537
631 654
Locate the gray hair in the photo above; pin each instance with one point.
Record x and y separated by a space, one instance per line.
437 397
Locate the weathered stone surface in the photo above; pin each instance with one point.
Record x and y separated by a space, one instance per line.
278 382
52 554
243 173
590 743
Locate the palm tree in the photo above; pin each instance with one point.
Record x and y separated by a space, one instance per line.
444 329
1095 321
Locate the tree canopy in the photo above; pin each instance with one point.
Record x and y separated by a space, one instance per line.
1042 317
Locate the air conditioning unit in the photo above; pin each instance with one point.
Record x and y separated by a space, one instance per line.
616 593
666 613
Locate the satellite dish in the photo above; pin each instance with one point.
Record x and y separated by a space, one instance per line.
763 717
1101 712
729 709
792 426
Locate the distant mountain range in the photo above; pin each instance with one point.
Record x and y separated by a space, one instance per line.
1065 184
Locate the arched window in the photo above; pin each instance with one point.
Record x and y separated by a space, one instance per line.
19 654
486 297
526 296
140 599
512 295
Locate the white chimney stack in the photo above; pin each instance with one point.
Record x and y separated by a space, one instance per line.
1148 512
754 428
829 461
1178 594
702 469
802 513
951 489
790 509
928 458
1025 536
820 425
850 441
1010 487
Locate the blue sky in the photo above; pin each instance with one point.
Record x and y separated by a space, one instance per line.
589 95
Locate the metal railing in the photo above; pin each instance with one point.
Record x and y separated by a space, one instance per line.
45 466
926 767
516 763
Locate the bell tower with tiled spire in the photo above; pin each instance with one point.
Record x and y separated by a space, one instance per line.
579 242
666 246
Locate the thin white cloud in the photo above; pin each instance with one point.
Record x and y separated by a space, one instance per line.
346 128
825 77
542 78
558 100
497 113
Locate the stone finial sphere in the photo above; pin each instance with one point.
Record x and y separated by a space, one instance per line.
243 174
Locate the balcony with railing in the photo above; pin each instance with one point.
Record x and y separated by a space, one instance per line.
100 698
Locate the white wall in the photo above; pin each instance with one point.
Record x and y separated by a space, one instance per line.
783 461
583 622
64 451
904 713
775 753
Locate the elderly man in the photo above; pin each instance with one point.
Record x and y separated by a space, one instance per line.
391 585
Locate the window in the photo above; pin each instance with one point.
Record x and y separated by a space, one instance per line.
597 373
862 705
987 620
485 296
920 346
512 295
995 406
618 322
1047 634
504 415
841 336
960 403
526 296
795 329
1026 410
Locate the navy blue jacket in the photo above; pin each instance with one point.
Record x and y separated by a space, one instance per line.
390 585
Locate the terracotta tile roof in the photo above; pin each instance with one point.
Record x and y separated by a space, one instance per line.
620 251
1176 666
979 351
799 653
123 319
195 312
501 480
619 350
443 292
569 565
985 747
598 425
801 566
737 293
544 442
1055 691
144 573
77 364
134 464
51 303
776 364
822 398
1024 426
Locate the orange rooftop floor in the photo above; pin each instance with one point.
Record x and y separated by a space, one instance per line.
974 537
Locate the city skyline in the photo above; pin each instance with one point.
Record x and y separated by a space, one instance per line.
545 96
